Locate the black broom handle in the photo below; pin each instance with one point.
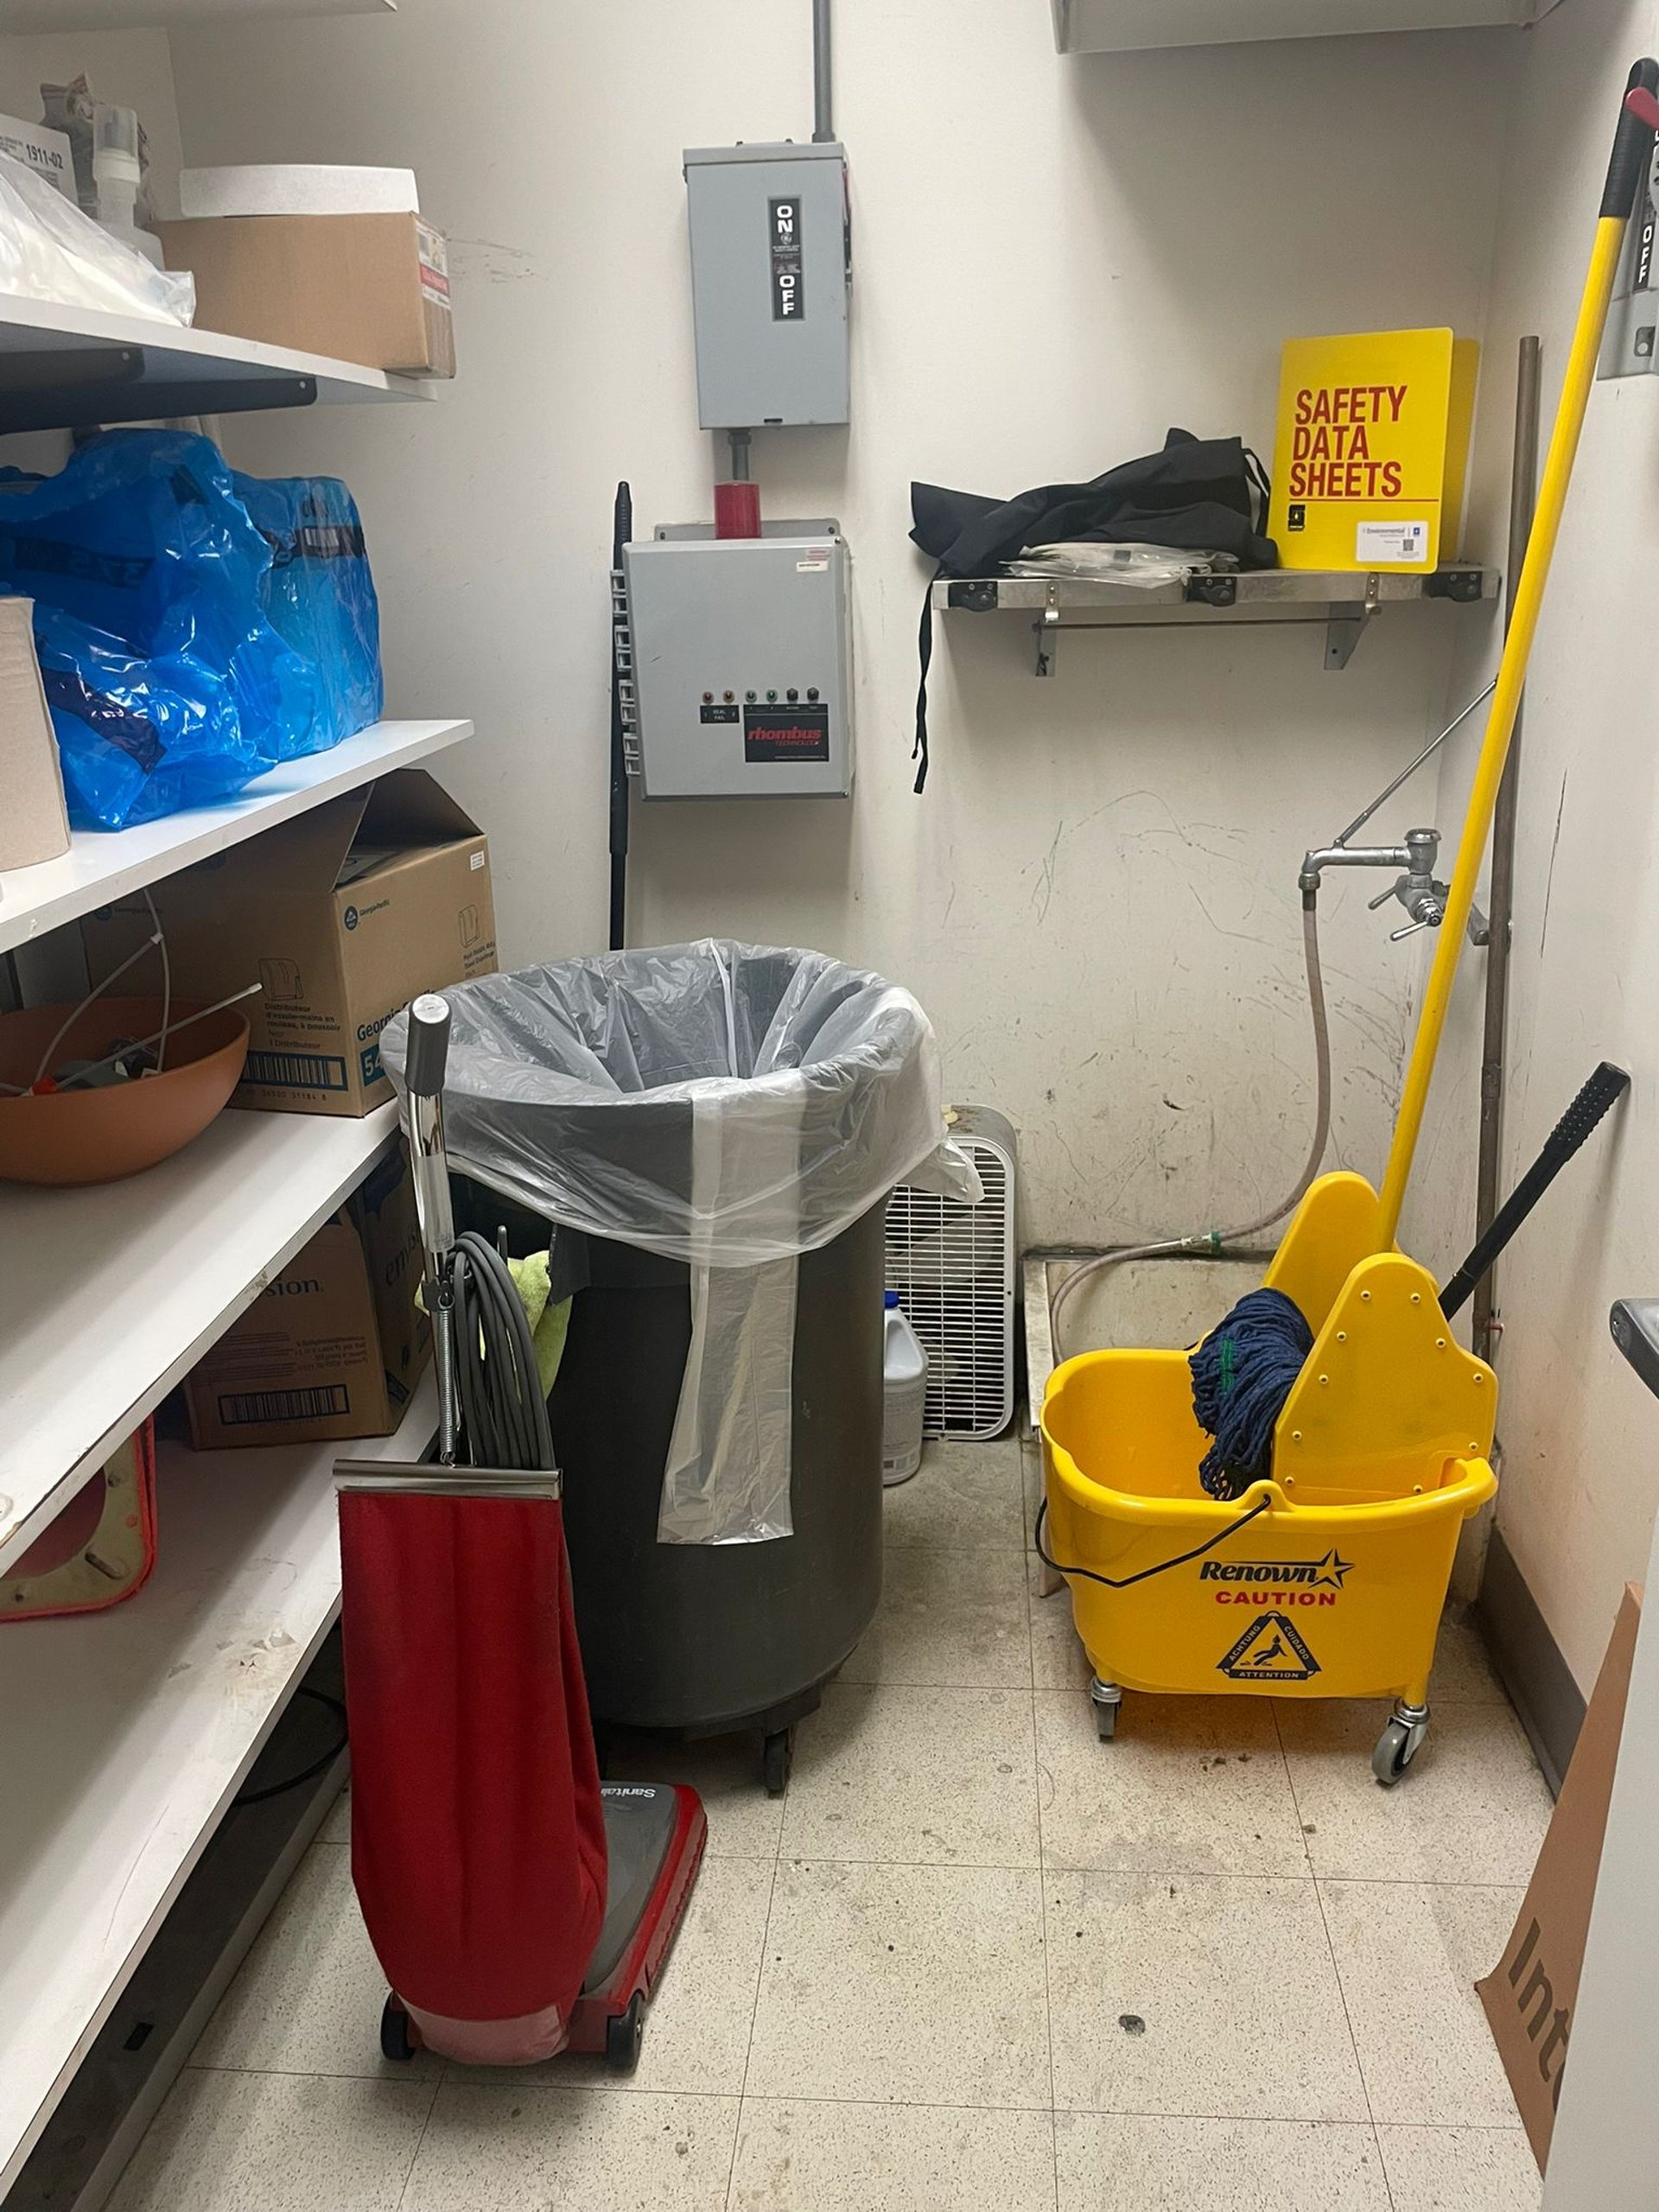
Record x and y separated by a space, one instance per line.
1606 1086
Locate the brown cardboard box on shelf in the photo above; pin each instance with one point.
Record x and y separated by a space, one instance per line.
371 289
1530 1993
343 916
32 824
334 1346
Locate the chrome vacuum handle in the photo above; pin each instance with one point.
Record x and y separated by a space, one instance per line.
428 1045
423 1074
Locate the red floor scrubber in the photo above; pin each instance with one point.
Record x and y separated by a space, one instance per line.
518 1906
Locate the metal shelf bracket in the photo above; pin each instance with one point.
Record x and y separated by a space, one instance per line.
1343 628
75 389
1048 640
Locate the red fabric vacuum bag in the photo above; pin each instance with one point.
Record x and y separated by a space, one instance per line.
477 1829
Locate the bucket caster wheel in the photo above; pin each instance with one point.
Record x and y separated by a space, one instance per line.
624 2035
776 1757
1105 1697
1400 1743
397 2039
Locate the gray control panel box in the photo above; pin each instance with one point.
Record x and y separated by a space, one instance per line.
769 274
741 682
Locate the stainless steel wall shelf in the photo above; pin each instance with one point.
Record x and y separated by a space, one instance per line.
1341 600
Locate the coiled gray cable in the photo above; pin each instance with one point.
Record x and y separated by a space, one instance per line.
502 1407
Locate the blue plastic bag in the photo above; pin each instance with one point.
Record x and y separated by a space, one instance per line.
142 538
318 594
138 736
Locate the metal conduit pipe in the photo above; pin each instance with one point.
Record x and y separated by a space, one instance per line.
1523 493
824 128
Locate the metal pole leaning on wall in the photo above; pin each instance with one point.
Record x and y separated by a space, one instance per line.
1523 486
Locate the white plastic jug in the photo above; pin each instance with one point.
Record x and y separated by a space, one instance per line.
904 1397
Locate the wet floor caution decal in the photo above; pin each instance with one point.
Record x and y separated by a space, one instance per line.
1270 1651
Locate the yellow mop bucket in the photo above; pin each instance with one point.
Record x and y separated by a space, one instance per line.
1327 1579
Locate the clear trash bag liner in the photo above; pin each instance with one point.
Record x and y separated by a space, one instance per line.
729 1106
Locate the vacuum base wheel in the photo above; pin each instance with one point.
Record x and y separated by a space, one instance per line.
397 2042
624 2035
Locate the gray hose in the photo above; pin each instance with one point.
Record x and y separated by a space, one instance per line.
1215 1239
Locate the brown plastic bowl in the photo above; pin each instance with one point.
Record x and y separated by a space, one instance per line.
99 1136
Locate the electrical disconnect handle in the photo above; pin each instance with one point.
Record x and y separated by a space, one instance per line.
1633 141
1635 1326
428 1045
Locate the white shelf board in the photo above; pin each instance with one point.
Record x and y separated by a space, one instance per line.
108 1295
125 1735
126 15
1120 26
101 865
173 355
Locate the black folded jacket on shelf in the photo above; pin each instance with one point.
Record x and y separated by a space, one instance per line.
1202 495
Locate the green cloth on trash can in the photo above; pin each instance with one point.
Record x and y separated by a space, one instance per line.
549 1323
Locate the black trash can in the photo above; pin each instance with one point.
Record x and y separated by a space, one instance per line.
706 1637
713 1129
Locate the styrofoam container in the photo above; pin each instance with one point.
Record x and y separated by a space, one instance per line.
297 188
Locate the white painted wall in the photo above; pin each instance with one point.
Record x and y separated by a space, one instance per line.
1580 1436
1096 899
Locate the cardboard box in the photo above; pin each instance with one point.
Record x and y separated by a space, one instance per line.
343 916
33 823
39 148
1372 450
1530 1993
332 1348
373 288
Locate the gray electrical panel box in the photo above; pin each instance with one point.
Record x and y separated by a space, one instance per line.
769 273
741 665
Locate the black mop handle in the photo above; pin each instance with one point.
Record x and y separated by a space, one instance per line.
1605 1087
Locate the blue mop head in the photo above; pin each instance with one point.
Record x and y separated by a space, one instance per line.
1241 1374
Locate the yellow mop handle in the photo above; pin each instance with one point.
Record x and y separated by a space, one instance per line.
1630 154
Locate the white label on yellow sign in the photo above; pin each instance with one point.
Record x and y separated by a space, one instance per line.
1391 541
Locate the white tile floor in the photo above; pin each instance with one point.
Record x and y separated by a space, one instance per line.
974 1958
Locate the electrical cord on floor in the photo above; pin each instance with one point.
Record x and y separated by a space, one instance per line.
1088 1574
503 1406
317 1766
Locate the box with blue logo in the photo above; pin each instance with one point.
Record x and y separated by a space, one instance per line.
342 917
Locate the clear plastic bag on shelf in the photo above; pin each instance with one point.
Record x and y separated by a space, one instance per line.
319 592
729 1106
50 251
